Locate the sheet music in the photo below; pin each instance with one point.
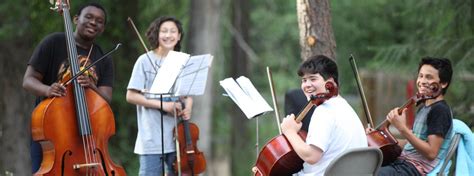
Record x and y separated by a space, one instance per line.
250 90
193 78
246 96
168 72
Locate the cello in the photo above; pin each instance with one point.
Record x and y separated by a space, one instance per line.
381 136
278 157
190 160
73 130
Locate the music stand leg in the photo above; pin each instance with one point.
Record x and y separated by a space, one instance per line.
162 138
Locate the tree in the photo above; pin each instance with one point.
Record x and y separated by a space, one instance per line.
239 65
204 37
316 35
16 104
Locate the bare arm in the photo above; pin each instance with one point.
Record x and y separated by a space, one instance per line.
429 149
186 113
136 97
32 83
309 153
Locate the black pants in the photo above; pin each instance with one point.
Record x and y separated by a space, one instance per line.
399 168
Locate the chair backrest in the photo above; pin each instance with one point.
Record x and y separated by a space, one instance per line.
446 165
449 155
356 162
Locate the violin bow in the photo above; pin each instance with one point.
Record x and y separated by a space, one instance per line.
370 123
142 42
270 81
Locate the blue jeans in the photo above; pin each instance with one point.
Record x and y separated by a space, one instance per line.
36 154
399 168
150 165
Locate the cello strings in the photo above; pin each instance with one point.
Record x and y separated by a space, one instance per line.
78 90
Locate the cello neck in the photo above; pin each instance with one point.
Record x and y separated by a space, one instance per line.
408 103
303 112
82 114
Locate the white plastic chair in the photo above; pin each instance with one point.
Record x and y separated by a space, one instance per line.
356 162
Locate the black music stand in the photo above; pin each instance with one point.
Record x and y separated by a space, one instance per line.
191 71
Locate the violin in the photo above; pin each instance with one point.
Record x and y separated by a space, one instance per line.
74 129
191 160
278 157
381 136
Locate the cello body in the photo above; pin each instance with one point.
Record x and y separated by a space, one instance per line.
73 130
277 157
192 160
384 140
54 125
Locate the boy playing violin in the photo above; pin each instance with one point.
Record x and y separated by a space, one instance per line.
425 143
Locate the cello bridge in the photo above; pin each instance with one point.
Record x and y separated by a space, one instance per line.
88 165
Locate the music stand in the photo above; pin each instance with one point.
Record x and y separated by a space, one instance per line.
179 76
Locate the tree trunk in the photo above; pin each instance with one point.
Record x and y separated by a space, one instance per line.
316 35
16 106
204 38
239 66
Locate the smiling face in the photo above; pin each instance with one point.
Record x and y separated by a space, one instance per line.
426 76
313 84
90 23
168 35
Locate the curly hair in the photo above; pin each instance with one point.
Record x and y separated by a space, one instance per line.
152 34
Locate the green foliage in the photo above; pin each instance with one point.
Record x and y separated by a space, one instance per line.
394 35
382 35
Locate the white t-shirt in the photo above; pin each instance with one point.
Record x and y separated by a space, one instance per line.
149 119
334 128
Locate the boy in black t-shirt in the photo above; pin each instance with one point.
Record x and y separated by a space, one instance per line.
428 141
49 61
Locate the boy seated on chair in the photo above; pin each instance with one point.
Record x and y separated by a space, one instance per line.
334 127
425 144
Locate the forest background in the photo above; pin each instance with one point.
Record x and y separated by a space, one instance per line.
387 38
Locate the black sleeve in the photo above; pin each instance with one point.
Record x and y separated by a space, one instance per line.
106 70
439 119
107 73
43 54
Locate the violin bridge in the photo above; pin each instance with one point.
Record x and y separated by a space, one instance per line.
90 165
189 151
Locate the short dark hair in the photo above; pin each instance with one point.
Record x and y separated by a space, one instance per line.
152 33
443 65
94 4
321 64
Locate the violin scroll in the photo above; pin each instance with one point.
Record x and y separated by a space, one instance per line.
320 98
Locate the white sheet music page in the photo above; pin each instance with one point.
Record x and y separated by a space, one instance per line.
168 72
246 97
250 90
193 78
